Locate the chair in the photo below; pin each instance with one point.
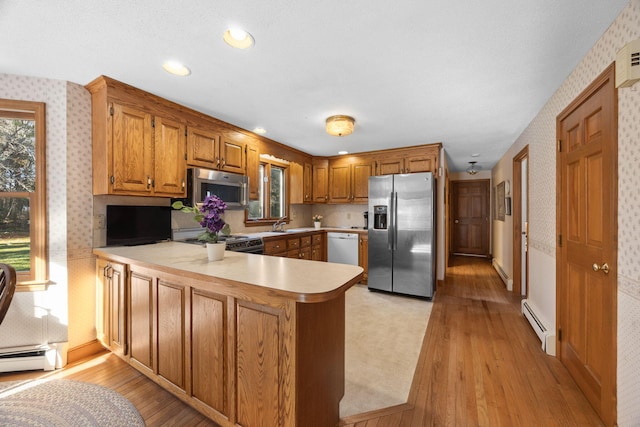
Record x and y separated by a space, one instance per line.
7 288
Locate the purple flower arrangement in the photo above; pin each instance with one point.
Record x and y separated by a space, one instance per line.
209 215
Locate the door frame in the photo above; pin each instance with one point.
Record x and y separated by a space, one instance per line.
609 387
517 220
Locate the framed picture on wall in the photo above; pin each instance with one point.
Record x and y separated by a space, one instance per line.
500 202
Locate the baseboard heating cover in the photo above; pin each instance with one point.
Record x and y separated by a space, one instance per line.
547 338
28 358
508 282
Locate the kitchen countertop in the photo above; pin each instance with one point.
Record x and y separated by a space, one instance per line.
300 280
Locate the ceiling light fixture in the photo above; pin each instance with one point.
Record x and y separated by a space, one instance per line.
259 130
340 125
238 38
343 152
472 170
176 68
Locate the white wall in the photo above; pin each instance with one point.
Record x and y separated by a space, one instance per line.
540 135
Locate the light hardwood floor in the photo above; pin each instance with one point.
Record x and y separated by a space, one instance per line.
480 365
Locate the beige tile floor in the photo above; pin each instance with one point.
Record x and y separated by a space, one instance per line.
383 339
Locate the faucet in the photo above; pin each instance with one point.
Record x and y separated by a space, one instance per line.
279 224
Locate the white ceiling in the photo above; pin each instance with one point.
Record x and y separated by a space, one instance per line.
469 74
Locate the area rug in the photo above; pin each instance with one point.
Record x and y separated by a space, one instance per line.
383 338
64 403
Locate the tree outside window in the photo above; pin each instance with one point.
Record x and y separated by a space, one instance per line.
22 189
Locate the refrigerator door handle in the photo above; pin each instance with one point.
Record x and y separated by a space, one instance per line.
390 228
395 220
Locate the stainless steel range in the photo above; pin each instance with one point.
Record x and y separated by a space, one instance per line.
235 242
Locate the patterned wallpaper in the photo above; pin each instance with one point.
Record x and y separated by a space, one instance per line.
21 327
540 135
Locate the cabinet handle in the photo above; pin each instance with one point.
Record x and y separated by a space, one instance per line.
218 161
223 162
183 184
148 181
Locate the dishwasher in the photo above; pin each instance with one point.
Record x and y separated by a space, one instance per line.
342 248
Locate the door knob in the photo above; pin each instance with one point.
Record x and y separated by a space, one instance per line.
604 267
456 221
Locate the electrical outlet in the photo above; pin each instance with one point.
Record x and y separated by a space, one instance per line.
99 222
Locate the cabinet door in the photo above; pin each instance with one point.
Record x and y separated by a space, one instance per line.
320 181
307 182
364 256
232 156
117 309
361 172
102 302
339 182
132 150
259 339
390 166
253 170
424 163
169 158
141 319
209 349
171 332
296 183
202 148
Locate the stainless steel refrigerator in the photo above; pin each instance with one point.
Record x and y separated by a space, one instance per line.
402 234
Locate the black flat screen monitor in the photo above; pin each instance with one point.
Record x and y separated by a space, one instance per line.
137 225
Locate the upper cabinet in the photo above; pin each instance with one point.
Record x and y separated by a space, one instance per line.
425 158
211 150
136 150
349 179
253 169
320 186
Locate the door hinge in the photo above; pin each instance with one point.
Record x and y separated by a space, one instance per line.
559 146
560 240
559 334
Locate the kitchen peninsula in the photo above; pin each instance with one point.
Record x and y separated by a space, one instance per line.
249 340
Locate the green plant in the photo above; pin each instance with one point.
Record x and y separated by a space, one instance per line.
209 215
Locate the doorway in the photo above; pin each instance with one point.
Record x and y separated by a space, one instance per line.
586 267
470 217
521 222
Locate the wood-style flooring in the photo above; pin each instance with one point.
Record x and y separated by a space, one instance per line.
480 365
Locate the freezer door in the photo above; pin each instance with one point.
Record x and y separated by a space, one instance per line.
414 266
380 255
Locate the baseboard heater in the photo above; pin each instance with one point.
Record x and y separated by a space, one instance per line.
508 282
30 358
547 338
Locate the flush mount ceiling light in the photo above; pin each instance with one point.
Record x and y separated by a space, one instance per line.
238 38
340 125
176 68
259 130
473 169
343 152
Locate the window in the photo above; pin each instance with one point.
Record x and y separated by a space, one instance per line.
22 190
271 204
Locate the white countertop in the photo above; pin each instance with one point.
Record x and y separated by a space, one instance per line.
302 280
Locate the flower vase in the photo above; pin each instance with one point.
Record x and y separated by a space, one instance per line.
316 224
215 251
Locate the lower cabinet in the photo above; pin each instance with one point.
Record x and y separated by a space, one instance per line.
300 245
111 303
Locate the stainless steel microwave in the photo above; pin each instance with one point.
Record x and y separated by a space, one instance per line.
232 188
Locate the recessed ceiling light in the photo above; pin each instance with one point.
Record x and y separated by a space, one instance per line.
238 38
259 130
343 152
475 155
176 68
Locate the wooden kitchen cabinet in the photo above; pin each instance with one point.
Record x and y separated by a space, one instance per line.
253 170
297 245
320 187
136 150
349 179
111 306
301 183
363 256
307 182
409 160
318 247
214 150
